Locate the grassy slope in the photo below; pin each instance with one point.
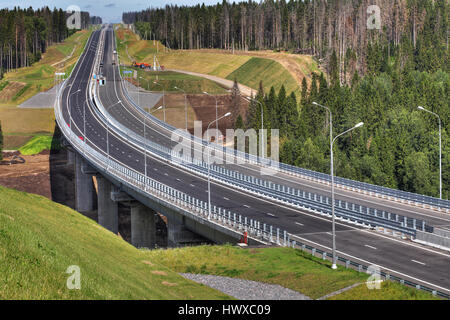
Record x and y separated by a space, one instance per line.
290 268
39 239
270 72
38 144
246 69
38 77
169 80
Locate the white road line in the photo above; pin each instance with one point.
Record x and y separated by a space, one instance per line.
300 224
418 262
366 245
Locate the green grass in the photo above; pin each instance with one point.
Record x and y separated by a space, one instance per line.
38 144
270 72
388 291
290 268
3 84
40 76
169 79
40 239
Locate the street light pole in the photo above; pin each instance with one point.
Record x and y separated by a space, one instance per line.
333 266
440 148
107 132
148 86
217 123
164 104
70 109
262 123
145 149
209 165
185 106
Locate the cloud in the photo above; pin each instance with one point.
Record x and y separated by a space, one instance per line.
110 5
88 6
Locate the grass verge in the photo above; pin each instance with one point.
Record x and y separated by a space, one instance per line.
38 144
287 267
40 239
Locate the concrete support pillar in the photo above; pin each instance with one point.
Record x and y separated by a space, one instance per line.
84 187
70 157
143 230
107 209
177 234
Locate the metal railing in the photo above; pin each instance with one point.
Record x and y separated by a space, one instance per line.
357 186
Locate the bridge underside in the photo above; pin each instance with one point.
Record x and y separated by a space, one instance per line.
183 228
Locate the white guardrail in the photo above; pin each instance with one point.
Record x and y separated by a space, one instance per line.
348 184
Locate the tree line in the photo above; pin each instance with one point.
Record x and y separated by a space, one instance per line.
317 27
26 33
398 145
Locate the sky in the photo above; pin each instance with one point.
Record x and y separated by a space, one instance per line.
108 10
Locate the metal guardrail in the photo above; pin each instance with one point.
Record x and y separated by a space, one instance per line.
357 186
293 197
219 216
325 255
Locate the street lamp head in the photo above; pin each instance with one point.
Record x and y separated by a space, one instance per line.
205 92
315 103
227 114
160 107
420 108
175 87
359 125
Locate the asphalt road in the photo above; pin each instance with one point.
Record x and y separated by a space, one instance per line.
126 114
410 260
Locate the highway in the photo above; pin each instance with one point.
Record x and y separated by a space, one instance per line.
410 260
126 114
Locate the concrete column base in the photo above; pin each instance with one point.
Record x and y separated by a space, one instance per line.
84 187
178 235
108 216
70 157
143 230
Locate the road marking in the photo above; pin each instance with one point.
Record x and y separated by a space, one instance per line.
226 198
366 245
300 224
272 215
418 262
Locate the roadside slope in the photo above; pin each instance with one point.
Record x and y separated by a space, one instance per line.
40 239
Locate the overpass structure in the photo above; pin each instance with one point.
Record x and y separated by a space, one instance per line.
132 155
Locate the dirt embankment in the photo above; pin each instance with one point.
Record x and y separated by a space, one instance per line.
51 174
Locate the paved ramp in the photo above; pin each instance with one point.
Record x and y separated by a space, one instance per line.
41 100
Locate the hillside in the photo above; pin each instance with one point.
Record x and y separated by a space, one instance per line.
40 239
247 67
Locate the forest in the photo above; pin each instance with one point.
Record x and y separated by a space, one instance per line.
378 76
26 33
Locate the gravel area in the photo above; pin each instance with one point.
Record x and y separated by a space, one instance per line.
245 289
